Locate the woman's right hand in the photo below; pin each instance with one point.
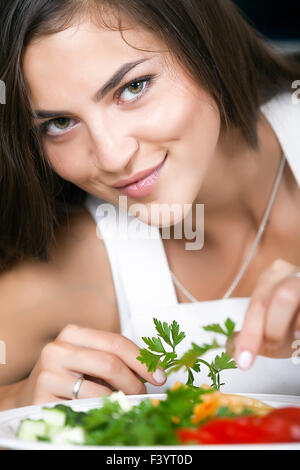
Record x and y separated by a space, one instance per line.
106 360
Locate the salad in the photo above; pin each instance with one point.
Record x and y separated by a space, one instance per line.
187 415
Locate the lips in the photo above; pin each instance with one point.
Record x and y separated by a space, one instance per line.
146 184
137 177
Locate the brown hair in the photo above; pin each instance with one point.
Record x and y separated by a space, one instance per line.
210 39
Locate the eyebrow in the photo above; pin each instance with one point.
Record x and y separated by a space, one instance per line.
111 83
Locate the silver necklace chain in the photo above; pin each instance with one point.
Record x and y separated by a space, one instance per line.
255 243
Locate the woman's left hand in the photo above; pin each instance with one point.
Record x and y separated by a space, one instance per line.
272 321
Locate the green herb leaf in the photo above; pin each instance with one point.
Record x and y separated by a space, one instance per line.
191 356
154 344
163 331
229 324
151 360
190 360
196 367
176 335
201 350
168 360
223 362
215 328
190 380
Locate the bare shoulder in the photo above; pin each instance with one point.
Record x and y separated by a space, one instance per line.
37 299
81 261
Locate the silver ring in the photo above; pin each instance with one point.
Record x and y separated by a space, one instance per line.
77 387
297 274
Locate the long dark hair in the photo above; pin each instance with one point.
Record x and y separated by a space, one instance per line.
209 38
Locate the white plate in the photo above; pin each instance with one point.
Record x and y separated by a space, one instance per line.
10 419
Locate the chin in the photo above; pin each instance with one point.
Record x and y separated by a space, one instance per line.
160 214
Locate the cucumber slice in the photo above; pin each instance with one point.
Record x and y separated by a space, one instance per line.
52 430
29 429
69 435
54 417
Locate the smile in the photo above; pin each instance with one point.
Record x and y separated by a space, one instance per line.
145 185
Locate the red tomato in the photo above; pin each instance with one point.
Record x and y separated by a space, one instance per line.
285 422
230 431
281 425
288 413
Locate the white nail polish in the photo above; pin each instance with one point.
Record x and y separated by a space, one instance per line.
297 334
244 359
159 376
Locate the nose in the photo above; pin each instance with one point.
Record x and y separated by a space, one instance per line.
113 146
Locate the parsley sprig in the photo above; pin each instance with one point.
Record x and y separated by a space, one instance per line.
171 336
158 354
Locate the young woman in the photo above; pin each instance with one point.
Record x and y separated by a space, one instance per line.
166 104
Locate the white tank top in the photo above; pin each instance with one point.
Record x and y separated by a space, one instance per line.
144 287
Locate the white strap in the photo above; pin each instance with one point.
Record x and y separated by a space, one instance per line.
284 116
144 271
137 253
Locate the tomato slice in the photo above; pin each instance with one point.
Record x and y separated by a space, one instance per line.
287 413
230 431
285 422
280 425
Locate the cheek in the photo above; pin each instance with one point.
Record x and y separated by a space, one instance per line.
69 160
192 132
199 125
192 122
175 114
199 120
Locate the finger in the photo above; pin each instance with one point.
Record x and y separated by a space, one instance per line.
250 340
113 343
62 385
282 310
267 348
97 364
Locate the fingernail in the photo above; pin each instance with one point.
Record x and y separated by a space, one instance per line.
244 360
297 334
159 376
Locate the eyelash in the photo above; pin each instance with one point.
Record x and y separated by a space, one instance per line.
148 79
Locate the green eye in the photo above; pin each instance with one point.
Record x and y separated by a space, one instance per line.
61 123
57 126
135 87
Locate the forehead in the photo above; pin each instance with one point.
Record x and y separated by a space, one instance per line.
82 52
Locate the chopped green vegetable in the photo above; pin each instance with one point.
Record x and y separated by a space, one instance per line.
54 416
30 429
114 424
226 412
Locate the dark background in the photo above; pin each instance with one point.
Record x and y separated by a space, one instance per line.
276 19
